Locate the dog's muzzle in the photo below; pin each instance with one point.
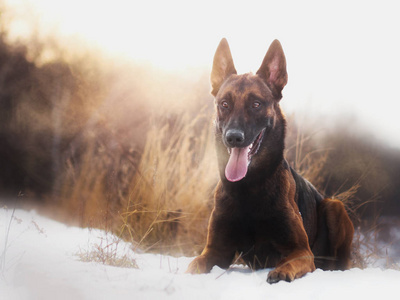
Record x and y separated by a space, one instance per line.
240 157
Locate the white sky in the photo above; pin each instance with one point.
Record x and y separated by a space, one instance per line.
343 56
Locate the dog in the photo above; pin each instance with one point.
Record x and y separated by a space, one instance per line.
264 210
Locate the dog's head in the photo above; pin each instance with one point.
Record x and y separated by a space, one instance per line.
247 105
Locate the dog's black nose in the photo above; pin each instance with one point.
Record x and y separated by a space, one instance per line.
234 138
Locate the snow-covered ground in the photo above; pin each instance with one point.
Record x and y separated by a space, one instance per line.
42 259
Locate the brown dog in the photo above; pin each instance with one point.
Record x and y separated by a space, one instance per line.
263 209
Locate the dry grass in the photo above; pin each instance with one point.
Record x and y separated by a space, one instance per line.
5 247
106 253
161 202
170 195
373 246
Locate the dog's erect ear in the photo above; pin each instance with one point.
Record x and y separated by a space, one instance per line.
273 69
223 66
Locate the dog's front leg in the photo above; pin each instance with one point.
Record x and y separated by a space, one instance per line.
219 249
295 265
207 260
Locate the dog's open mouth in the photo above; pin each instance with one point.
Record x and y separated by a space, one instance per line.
240 158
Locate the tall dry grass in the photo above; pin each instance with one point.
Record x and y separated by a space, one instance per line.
160 202
171 194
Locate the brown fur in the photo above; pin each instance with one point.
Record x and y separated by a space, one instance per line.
272 216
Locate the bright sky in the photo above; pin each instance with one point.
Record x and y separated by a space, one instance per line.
343 56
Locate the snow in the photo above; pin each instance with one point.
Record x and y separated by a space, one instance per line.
41 259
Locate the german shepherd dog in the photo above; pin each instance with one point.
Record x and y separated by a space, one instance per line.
265 211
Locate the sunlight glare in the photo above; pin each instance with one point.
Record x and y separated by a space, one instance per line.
173 35
340 55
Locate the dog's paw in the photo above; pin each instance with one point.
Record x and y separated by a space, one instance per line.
198 266
277 275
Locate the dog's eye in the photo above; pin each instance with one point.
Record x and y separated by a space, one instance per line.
224 104
256 104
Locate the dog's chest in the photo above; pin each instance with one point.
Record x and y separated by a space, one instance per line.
258 229
256 243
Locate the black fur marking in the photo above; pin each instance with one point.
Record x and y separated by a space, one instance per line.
308 199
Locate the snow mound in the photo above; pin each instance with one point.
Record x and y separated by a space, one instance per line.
44 259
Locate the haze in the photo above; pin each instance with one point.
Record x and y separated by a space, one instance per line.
343 57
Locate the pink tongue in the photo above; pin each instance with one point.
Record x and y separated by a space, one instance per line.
236 167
